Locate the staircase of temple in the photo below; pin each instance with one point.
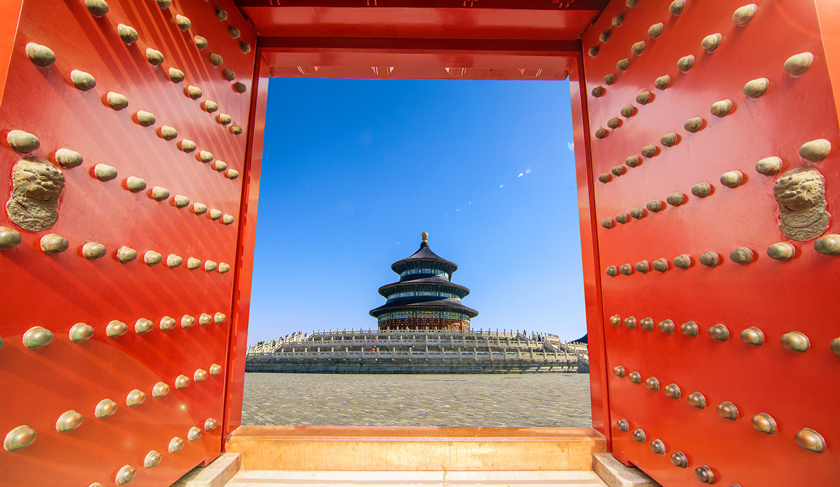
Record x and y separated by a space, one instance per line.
418 351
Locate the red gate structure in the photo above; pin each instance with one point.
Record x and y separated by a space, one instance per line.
706 138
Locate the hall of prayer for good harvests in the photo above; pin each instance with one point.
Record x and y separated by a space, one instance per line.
425 296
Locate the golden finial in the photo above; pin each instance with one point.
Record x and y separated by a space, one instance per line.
425 236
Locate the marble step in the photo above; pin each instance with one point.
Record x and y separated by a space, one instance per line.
263 478
226 471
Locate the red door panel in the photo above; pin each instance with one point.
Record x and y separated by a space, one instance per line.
798 390
87 283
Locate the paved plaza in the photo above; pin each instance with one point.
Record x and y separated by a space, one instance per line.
515 400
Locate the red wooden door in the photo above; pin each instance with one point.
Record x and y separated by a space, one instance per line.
124 131
717 187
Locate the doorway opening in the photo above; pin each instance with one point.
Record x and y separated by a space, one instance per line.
353 171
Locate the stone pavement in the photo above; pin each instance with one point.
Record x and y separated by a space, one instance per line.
516 400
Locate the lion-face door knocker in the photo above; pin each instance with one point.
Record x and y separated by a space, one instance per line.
802 206
36 187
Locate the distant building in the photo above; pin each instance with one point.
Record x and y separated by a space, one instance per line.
423 329
425 296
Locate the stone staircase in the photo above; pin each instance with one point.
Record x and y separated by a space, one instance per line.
414 457
226 472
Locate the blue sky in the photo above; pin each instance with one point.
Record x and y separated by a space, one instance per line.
354 170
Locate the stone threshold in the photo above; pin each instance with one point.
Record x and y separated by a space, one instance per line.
338 448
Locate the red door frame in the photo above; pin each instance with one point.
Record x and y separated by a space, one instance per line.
372 52
244 268
599 393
